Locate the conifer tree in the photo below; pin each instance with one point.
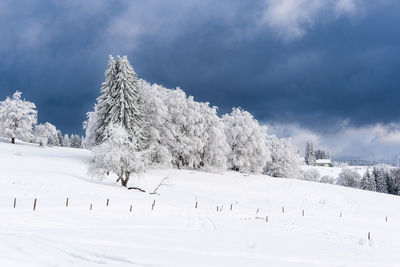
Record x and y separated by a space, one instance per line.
381 185
60 138
76 141
309 154
103 106
66 141
120 103
126 105
368 182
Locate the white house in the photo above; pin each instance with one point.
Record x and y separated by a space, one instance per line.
323 162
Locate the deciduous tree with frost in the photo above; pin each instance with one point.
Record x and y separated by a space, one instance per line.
157 117
46 134
194 134
285 159
117 155
247 140
348 177
17 118
90 126
312 175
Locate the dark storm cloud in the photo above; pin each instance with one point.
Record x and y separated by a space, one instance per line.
306 62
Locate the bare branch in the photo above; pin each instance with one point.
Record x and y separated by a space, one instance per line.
162 182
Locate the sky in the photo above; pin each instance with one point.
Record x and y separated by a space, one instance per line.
320 70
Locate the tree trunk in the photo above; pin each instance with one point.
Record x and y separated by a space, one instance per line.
13 140
125 182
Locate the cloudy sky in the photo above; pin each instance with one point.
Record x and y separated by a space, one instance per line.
320 70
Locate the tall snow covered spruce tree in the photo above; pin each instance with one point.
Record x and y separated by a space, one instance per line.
120 103
119 106
103 105
17 117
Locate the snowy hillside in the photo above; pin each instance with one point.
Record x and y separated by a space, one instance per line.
175 233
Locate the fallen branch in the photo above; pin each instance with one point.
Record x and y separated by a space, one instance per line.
136 188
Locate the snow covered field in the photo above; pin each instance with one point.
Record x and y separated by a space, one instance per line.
175 233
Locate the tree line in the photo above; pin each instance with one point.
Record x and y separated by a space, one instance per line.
135 124
18 120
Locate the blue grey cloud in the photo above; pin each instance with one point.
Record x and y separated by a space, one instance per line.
309 62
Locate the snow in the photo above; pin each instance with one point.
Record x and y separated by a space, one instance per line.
175 233
323 161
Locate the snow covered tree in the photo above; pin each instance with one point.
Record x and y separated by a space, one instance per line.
216 148
66 141
247 140
181 130
117 154
45 134
327 179
17 118
368 182
190 135
312 175
380 180
348 177
75 141
321 154
285 159
309 154
40 134
90 126
120 103
157 123
60 139
100 119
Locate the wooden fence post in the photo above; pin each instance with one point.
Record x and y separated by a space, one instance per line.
130 210
34 204
258 209
108 201
369 236
302 212
15 202
66 203
91 206
195 205
266 219
283 209
154 203
231 206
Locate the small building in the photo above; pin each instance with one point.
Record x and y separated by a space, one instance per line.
323 163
